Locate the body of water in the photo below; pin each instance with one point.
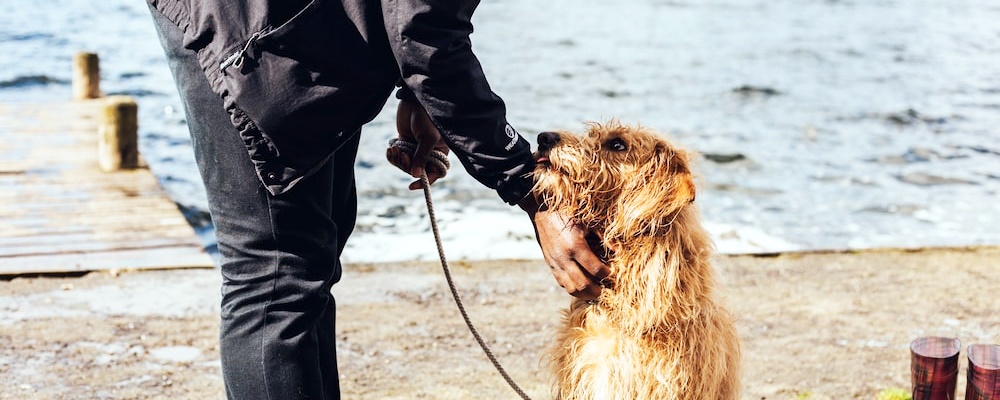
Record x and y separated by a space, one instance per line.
823 123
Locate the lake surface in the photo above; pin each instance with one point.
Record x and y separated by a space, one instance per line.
823 124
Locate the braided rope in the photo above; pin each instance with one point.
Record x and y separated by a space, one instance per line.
438 158
441 160
458 299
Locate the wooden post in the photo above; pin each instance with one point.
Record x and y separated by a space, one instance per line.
86 76
118 137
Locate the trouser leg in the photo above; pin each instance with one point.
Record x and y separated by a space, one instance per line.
279 254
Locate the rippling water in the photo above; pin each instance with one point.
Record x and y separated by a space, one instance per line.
824 124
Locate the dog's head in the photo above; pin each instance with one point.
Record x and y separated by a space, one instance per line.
622 181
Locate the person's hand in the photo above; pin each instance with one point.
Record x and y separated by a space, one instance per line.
414 126
567 252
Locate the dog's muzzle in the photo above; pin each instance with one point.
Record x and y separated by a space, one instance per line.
547 140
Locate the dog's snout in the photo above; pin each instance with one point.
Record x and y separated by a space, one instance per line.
546 140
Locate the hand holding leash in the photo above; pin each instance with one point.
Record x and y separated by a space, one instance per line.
419 147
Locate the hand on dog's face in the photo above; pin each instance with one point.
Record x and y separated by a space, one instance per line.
570 256
619 181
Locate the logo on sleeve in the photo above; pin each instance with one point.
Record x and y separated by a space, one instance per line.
512 134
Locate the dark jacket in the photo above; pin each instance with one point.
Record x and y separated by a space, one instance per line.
298 77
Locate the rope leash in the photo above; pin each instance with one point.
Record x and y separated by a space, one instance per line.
458 299
437 156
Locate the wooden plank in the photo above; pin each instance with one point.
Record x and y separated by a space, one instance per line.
153 258
89 246
60 213
79 237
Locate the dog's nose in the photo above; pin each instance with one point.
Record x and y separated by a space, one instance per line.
546 140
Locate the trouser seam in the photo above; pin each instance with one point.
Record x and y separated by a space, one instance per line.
276 264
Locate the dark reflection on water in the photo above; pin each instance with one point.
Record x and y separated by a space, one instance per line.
25 81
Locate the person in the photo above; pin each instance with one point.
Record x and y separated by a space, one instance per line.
275 94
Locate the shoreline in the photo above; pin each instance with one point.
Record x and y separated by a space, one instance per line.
827 325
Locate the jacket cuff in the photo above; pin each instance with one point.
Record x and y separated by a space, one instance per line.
515 190
404 93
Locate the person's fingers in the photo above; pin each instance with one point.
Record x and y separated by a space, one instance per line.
428 139
597 270
573 262
590 291
398 158
559 275
415 126
578 284
572 277
436 170
431 178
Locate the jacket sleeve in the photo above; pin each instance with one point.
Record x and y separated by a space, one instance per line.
430 40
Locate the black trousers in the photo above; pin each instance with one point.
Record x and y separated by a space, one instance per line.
279 254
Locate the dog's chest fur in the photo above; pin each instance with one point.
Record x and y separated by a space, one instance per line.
609 361
650 336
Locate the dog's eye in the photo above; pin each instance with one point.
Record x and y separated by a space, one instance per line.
616 144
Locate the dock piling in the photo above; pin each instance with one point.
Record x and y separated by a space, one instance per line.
118 141
66 207
86 76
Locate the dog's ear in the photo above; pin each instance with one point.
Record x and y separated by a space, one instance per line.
677 164
649 205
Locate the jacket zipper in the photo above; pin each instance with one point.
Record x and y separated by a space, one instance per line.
236 58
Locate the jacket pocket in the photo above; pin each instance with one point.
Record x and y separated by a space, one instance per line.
305 82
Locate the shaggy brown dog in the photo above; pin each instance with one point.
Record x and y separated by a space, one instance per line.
656 331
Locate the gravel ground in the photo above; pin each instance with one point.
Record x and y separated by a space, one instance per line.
813 326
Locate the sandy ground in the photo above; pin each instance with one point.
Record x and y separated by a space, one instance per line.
814 326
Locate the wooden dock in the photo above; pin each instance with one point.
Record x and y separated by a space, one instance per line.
60 213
